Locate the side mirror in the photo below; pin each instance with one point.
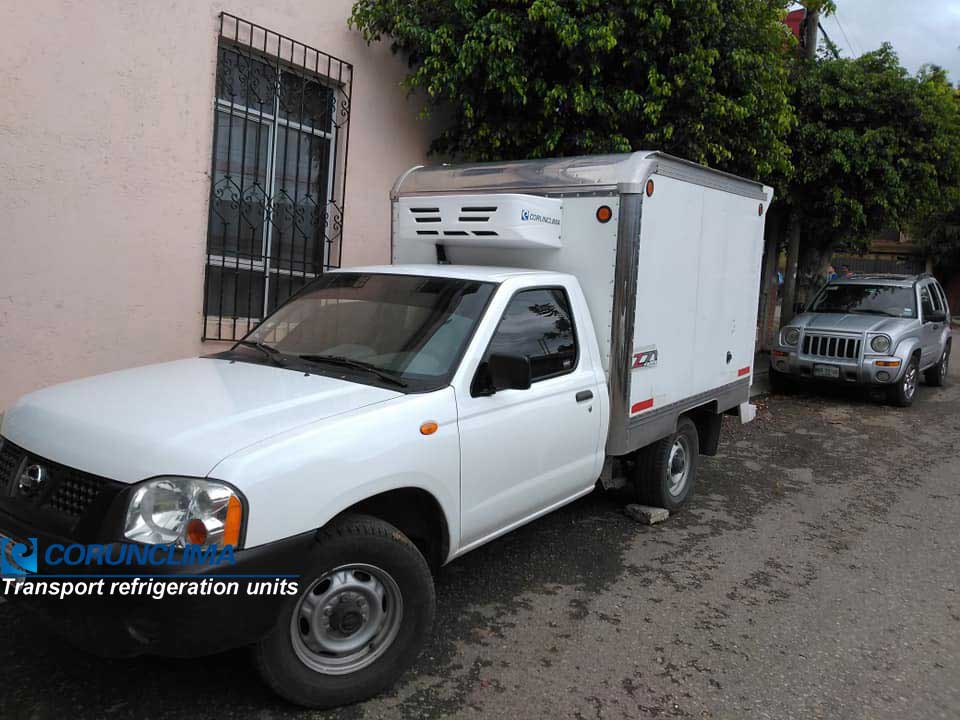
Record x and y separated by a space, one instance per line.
935 317
508 372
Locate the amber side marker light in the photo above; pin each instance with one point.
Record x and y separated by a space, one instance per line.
196 532
428 428
649 188
231 526
888 363
604 213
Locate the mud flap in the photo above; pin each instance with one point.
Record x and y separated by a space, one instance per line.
748 411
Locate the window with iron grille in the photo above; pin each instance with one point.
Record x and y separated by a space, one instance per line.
281 125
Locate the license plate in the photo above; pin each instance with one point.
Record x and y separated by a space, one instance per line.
826 371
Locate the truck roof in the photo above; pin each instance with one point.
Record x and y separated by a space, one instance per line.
479 273
624 172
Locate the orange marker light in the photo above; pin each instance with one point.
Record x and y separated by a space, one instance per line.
428 428
888 363
649 188
196 532
604 213
231 526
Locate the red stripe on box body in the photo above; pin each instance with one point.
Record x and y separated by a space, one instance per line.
642 405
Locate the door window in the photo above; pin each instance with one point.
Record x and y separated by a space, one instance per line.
926 302
539 325
935 297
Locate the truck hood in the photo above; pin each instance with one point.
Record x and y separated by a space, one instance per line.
849 323
176 418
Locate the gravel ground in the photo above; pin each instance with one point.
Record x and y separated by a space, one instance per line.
813 575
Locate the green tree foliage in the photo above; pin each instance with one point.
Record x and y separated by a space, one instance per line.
873 147
703 79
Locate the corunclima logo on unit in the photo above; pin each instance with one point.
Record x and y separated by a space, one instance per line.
527 216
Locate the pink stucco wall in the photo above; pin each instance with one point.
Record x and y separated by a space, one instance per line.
105 144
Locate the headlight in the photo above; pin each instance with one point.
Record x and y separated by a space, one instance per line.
791 336
880 344
182 511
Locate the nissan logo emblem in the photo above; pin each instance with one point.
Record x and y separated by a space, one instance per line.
32 479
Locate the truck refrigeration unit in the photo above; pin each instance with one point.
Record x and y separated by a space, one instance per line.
544 325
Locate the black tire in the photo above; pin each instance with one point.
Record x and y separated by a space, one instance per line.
654 482
905 391
354 540
937 375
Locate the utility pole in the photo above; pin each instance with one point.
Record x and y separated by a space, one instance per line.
808 52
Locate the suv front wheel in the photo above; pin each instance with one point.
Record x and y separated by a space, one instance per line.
365 608
903 393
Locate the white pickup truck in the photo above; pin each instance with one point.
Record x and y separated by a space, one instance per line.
545 326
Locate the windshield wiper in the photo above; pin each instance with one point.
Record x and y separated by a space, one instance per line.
357 364
273 355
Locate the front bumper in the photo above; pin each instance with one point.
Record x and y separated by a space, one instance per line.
881 370
176 626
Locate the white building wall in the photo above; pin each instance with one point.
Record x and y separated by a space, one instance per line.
106 134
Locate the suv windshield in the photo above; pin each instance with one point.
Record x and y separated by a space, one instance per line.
404 330
870 299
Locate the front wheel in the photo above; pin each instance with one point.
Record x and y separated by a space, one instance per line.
666 471
903 393
364 610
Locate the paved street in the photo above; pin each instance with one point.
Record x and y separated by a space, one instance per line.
814 575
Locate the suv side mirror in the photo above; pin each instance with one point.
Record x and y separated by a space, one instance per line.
507 372
936 316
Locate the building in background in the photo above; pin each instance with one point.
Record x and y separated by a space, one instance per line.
890 252
172 172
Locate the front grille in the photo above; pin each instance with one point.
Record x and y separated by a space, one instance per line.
74 493
66 491
10 459
832 346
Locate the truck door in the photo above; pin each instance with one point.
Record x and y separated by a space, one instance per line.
525 451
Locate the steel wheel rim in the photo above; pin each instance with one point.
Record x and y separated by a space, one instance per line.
910 382
678 466
346 619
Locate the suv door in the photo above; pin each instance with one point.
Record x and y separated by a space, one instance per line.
525 451
931 308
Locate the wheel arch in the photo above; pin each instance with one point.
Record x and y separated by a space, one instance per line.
416 513
708 421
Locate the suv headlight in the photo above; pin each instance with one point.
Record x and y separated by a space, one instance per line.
181 511
881 343
791 336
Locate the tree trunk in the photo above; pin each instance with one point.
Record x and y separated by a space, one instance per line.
768 281
790 277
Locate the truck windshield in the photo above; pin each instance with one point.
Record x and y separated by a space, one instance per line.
407 330
869 299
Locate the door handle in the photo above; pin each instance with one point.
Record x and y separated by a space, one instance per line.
584 395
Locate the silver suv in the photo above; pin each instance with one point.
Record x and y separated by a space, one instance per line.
878 330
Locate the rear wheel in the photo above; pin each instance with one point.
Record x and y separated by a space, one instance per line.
666 471
937 375
365 608
903 393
